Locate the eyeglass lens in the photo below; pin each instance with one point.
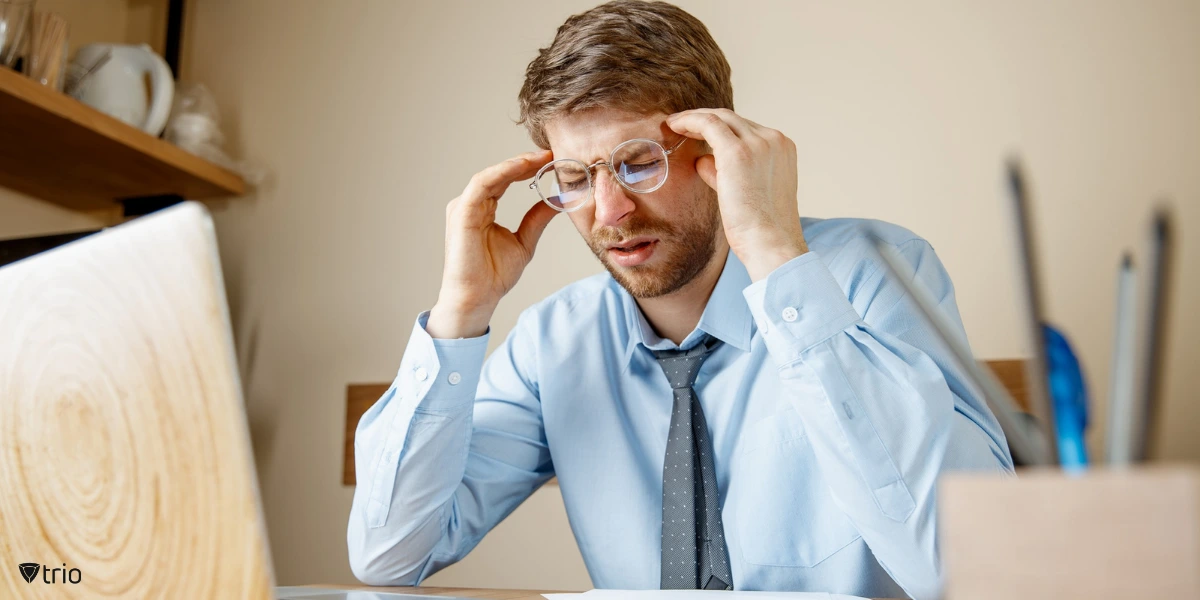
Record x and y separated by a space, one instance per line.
639 166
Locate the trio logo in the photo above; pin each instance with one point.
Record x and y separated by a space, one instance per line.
29 572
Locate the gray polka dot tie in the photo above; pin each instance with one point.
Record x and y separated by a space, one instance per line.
694 555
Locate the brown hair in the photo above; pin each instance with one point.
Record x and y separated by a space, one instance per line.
631 55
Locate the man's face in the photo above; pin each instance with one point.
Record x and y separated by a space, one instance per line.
652 243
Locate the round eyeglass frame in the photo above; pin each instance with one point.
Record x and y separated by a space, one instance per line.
611 169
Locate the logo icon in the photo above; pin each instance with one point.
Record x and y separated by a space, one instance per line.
29 571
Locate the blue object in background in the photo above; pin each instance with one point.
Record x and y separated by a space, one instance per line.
1069 398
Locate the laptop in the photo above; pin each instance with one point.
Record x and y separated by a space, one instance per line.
125 457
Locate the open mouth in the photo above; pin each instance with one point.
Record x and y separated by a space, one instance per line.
632 248
634 253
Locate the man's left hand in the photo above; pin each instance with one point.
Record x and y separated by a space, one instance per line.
753 170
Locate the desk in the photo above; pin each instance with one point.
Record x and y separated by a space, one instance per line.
483 593
489 594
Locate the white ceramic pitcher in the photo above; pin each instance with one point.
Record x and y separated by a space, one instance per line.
117 87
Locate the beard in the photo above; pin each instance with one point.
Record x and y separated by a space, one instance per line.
684 248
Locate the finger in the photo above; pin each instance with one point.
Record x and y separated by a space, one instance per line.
706 168
753 125
492 181
533 224
772 136
704 126
736 123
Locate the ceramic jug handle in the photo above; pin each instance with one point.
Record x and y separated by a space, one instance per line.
162 91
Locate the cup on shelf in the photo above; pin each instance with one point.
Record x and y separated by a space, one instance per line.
47 59
15 18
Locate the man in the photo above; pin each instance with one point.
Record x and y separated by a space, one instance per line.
743 401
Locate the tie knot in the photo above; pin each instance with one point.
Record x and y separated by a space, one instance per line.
682 366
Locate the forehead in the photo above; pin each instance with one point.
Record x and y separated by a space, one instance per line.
591 135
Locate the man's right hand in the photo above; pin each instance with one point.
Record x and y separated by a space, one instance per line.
484 260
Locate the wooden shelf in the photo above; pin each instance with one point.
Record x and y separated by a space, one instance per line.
58 149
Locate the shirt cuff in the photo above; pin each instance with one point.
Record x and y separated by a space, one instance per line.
442 373
797 306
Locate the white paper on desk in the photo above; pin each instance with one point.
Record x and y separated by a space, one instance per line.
697 595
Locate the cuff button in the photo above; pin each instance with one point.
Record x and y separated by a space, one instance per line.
790 314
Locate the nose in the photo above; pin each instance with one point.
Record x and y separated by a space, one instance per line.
612 201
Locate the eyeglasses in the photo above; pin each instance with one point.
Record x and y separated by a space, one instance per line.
639 165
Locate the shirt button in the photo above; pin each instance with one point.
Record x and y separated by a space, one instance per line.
790 314
420 374
454 378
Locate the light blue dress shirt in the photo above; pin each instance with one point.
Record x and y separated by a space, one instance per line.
832 406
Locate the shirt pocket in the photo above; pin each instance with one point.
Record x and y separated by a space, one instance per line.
787 516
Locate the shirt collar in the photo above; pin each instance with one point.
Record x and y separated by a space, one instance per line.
726 316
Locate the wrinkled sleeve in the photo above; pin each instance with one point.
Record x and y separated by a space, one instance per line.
452 447
884 404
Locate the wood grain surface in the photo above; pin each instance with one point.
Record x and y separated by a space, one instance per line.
124 451
58 149
360 397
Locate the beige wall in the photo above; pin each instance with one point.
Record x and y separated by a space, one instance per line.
373 114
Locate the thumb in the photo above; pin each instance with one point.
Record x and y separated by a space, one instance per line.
706 168
534 223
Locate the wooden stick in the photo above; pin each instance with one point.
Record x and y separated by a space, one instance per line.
48 48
